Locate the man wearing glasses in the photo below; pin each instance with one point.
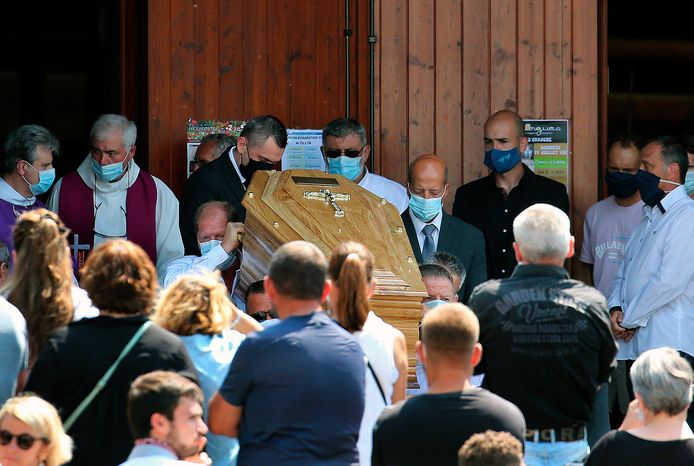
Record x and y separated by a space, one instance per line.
109 196
345 151
258 304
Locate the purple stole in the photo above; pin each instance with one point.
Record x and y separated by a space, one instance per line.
76 209
8 217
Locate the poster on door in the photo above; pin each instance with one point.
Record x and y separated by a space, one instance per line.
548 148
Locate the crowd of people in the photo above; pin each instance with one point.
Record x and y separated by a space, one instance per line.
124 341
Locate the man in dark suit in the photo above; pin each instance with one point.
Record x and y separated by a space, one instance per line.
259 146
430 229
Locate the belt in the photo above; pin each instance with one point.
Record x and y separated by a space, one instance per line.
560 434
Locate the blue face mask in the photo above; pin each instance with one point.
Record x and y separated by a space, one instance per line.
689 182
208 246
501 161
109 172
425 209
46 179
349 167
434 303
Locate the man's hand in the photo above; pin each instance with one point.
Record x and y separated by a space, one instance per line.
616 317
231 236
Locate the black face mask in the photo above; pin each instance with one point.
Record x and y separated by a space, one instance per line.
651 194
253 166
622 185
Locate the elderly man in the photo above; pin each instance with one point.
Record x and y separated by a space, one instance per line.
544 333
217 234
294 394
259 146
345 151
430 229
491 203
109 196
211 147
653 293
165 416
27 171
430 428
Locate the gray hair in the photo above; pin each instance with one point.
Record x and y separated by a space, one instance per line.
222 142
542 232
110 123
343 127
22 143
434 271
450 263
663 379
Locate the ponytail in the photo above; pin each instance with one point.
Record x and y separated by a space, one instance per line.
351 267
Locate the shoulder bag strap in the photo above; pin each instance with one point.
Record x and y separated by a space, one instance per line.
105 378
378 383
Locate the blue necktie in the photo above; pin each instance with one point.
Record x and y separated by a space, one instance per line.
428 249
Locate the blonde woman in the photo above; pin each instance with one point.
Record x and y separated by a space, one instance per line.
31 434
196 308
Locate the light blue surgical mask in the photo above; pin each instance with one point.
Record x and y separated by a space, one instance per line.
109 172
434 303
208 246
425 209
46 179
349 167
689 182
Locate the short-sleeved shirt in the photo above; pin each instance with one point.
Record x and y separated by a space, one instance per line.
484 205
431 428
13 348
625 449
606 232
301 386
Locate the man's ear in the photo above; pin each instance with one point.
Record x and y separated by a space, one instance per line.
572 247
365 155
522 145
21 167
476 356
519 254
445 192
421 351
159 425
326 290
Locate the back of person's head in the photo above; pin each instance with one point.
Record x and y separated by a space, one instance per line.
222 141
41 417
351 269
41 282
343 127
542 233
673 151
450 331
663 380
120 278
450 263
21 144
298 270
194 304
491 449
257 130
111 123
157 392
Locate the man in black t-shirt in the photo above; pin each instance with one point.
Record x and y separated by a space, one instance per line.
547 338
430 428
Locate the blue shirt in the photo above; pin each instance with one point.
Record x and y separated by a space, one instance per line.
13 348
301 386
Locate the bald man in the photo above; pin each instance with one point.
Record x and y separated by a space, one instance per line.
431 230
491 203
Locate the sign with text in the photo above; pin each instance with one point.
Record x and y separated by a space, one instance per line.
303 150
198 129
548 148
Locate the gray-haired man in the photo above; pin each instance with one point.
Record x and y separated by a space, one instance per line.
547 338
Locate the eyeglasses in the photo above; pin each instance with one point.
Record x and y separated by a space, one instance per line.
24 441
351 153
262 316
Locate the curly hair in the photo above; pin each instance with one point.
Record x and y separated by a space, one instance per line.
195 304
491 449
120 278
41 283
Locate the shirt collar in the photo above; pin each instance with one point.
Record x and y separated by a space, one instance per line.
418 224
9 194
236 167
534 270
670 199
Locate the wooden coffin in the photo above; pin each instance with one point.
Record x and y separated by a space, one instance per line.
294 205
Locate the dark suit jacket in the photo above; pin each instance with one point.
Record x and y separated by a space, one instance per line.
216 181
460 239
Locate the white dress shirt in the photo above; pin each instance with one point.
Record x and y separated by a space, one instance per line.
655 283
419 226
236 167
393 192
195 264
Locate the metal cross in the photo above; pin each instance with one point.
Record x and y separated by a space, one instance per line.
329 197
76 248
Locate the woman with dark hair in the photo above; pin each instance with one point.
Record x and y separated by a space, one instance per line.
122 282
351 269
